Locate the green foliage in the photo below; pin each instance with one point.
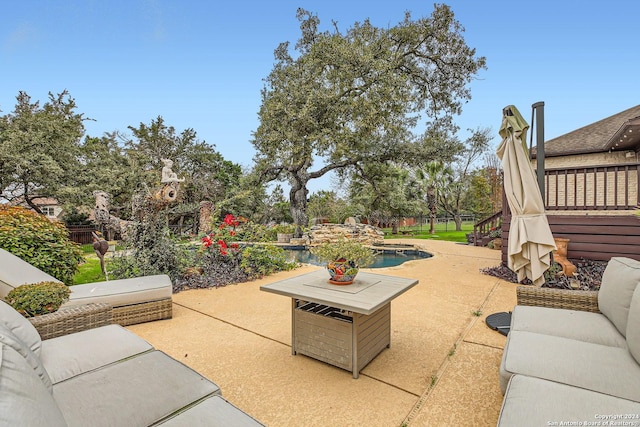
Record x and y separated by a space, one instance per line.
38 298
150 249
40 242
73 217
349 250
284 228
262 260
39 148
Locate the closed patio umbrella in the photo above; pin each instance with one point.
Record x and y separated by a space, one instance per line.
530 240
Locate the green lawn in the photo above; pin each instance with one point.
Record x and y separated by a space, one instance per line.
443 231
89 271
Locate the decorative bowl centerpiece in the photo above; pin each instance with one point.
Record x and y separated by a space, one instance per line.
344 258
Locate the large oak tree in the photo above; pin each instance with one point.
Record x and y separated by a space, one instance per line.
356 97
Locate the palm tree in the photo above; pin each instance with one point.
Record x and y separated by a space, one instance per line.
434 177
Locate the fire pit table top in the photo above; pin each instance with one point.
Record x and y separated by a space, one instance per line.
368 293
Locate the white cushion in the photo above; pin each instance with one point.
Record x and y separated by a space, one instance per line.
75 354
138 391
212 412
24 400
608 370
619 280
122 292
578 325
14 272
20 327
633 326
534 402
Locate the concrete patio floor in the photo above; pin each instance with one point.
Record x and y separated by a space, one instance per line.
441 368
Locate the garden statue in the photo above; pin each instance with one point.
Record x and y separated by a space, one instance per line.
169 175
101 247
170 183
110 224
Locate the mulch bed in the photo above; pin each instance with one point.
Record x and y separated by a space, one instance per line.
588 275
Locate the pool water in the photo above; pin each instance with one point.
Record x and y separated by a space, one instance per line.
386 258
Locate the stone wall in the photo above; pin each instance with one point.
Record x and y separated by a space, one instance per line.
364 233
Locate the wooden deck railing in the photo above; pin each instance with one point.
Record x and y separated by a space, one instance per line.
593 187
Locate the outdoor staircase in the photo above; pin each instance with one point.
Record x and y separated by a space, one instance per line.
480 235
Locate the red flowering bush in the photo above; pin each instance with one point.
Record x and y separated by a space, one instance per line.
225 236
222 261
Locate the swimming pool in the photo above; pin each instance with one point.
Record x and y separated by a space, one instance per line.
385 256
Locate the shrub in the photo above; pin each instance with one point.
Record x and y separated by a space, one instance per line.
40 242
262 260
38 298
149 250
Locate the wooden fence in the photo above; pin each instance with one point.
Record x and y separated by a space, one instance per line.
81 233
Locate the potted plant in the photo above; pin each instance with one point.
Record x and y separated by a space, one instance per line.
284 232
344 258
496 234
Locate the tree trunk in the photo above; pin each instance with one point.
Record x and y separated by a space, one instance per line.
458 220
298 204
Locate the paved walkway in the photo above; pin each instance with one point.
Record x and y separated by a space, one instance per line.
441 369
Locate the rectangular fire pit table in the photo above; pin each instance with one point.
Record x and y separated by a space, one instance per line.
343 325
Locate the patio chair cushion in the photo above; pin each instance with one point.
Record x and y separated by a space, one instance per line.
211 412
14 271
141 390
122 292
619 281
24 399
633 326
535 402
578 325
75 354
9 339
605 369
20 327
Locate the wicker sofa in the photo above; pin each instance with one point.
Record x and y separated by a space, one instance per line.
137 300
105 376
573 356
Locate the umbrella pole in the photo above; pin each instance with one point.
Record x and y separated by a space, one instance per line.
538 107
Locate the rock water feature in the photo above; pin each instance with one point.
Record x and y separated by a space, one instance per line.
323 233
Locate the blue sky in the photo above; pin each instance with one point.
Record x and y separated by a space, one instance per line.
201 64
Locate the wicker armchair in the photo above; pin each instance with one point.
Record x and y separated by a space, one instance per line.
558 298
73 319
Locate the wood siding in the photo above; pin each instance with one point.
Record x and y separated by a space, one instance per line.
590 236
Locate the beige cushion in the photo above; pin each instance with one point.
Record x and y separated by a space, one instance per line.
633 326
534 402
75 354
619 280
20 327
212 412
608 370
122 292
135 392
578 325
14 271
9 339
24 400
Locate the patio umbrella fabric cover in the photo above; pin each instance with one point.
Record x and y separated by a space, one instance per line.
530 241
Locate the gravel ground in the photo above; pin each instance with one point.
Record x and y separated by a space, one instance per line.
587 277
